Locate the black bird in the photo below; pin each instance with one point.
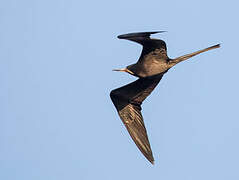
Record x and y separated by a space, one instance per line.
153 63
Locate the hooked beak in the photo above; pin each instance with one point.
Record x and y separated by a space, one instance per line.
124 70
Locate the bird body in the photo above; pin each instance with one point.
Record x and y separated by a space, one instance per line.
153 63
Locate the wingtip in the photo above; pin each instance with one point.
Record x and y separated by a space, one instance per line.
217 45
161 31
138 34
120 36
150 158
152 162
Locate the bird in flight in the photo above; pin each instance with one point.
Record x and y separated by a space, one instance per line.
153 63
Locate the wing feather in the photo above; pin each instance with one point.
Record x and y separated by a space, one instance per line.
149 45
128 100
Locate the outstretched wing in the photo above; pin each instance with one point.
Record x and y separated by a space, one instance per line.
149 45
172 62
128 100
142 35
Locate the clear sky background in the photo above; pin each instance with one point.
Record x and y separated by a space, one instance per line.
57 121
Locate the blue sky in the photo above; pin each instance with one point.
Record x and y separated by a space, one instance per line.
57 121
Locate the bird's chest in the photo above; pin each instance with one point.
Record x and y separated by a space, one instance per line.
153 66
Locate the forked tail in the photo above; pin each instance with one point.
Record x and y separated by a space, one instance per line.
187 56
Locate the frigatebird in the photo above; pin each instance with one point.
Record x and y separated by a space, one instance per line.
153 63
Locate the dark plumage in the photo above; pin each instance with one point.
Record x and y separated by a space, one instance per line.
153 63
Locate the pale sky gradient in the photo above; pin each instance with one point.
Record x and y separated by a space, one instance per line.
57 121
